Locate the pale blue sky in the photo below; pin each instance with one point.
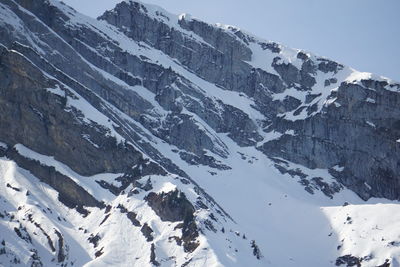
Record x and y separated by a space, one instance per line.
364 34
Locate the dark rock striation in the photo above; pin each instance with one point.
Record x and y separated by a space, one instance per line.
143 96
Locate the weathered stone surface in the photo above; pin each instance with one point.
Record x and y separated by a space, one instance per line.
39 120
172 206
358 135
69 193
181 99
336 135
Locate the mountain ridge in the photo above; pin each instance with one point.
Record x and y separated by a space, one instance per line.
156 128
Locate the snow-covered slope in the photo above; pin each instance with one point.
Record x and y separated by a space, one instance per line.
144 138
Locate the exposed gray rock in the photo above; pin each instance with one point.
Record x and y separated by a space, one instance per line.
181 99
37 119
70 194
326 65
341 136
219 56
147 232
172 206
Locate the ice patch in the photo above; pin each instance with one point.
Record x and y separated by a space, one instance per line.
87 138
3 145
370 100
57 91
368 186
370 124
338 168
290 132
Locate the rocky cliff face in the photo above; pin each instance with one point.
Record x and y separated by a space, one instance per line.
161 138
334 121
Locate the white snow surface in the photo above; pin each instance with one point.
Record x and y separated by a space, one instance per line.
270 204
290 226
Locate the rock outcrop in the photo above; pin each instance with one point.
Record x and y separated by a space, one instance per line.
109 126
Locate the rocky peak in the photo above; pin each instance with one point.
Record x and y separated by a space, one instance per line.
173 141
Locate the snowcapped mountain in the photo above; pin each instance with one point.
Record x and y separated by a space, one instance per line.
144 138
